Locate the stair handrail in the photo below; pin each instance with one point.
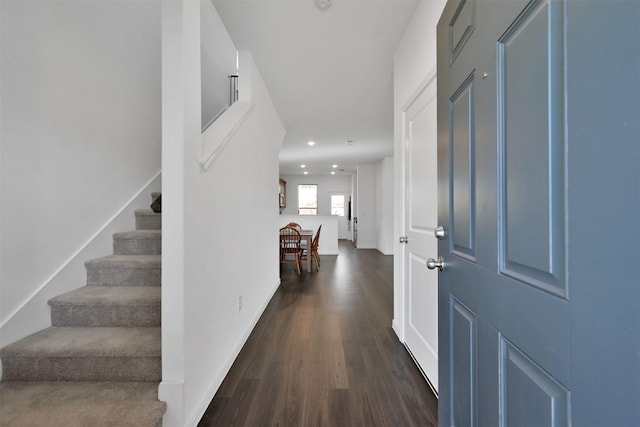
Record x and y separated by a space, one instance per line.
237 114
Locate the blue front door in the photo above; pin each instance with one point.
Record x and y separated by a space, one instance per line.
539 195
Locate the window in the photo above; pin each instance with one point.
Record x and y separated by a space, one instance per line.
307 199
337 204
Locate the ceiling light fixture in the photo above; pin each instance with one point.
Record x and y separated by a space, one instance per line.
333 172
323 4
311 143
334 166
306 173
303 166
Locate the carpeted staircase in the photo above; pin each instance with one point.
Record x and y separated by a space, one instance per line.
99 364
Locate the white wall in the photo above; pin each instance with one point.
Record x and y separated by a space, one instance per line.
220 226
384 205
80 138
414 63
366 201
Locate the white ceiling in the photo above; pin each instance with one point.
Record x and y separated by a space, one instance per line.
329 73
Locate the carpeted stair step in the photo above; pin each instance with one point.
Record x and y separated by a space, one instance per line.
100 364
146 219
107 306
124 270
138 242
84 354
80 404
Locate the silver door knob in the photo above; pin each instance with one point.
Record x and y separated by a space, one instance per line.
439 232
432 264
404 239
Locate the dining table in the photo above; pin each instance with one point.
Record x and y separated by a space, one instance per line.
307 235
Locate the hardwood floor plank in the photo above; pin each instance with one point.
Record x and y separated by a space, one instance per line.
336 364
338 407
271 388
324 354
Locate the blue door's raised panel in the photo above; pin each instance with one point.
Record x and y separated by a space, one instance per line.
529 396
462 153
461 26
463 364
532 143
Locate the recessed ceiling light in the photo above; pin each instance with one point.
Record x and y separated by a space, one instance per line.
334 166
333 172
311 143
323 4
305 172
303 166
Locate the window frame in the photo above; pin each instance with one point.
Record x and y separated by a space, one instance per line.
314 208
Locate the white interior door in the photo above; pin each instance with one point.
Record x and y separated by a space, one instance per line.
420 220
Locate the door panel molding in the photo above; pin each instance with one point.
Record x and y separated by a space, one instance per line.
463 364
417 298
528 394
461 27
531 148
422 180
462 170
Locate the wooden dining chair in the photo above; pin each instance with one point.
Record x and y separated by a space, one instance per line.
303 242
313 253
290 250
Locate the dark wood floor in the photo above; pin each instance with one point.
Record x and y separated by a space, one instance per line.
324 354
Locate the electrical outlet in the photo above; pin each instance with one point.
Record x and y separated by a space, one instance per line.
240 303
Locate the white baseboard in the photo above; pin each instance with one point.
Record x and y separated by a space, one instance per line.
397 329
215 384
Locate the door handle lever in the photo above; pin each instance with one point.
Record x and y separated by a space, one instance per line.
404 239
